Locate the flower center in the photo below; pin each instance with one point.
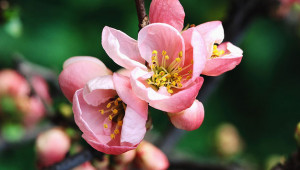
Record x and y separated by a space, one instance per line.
169 75
115 111
217 53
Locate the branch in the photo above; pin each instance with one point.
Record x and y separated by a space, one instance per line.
141 13
76 160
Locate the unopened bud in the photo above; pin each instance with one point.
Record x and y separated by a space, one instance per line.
150 157
52 146
297 134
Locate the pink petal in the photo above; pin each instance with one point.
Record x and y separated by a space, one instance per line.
121 48
189 119
232 58
124 72
195 51
134 126
84 58
124 90
41 88
89 119
160 37
77 72
99 90
113 150
177 102
167 11
212 33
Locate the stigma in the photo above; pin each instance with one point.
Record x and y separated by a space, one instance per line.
169 74
115 111
217 53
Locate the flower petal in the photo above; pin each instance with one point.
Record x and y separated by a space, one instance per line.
99 90
89 119
124 90
160 37
177 102
212 32
232 58
167 11
196 51
77 72
189 119
113 150
121 48
134 126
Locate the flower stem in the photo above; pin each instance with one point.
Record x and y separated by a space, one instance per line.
141 13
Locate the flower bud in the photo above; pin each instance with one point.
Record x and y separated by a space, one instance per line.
125 158
85 166
228 141
297 134
52 146
150 157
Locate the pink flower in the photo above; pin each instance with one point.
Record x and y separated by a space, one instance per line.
171 81
106 110
52 146
220 58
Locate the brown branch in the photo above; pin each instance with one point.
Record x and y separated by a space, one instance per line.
141 13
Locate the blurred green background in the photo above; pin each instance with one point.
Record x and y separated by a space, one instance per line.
260 97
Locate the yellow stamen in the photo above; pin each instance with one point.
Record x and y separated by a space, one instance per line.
120 123
115 111
167 57
105 126
101 111
178 59
108 105
112 136
116 131
180 54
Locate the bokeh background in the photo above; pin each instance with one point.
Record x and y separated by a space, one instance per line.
258 101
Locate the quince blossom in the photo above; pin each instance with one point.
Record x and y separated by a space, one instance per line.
106 110
170 80
220 58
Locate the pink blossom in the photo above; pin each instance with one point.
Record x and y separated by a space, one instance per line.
106 110
85 166
220 58
52 146
171 81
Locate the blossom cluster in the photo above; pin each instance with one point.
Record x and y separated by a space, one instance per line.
29 105
162 69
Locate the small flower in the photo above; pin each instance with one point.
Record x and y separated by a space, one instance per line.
106 110
171 81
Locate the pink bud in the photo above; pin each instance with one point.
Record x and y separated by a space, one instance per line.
150 157
52 146
125 158
189 119
13 84
85 166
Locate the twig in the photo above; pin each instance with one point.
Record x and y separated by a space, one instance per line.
76 160
141 13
